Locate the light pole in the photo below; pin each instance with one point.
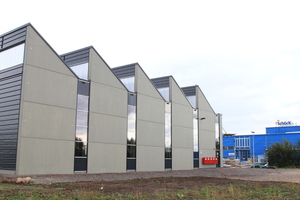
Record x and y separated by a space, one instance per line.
253 156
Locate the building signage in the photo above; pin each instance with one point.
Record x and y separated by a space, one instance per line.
284 123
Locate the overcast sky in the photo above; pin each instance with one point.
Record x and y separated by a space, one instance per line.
244 55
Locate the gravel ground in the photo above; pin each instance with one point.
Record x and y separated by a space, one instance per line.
254 174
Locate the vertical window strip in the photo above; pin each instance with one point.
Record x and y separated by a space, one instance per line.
196 138
82 119
131 132
168 136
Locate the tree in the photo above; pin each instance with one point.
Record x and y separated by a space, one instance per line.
284 154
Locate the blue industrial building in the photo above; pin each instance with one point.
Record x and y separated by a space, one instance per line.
245 147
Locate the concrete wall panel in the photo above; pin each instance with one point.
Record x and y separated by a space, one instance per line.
182 115
105 158
48 87
38 53
48 122
207 140
107 129
182 159
209 122
203 104
207 132
150 158
150 133
150 109
108 100
177 96
144 85
100 72
44 156
182 137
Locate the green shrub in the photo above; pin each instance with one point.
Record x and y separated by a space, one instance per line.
284 154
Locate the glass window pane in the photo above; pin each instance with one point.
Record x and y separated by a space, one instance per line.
195 124
81 70
131 151
167 118
131 138
168 141
165 92
196 146
12 57
167 130
83 88
80 149
192 100
129 83
131 112
168 152
168 107
82 102
82 118
132 99
81 134
195 114
131 126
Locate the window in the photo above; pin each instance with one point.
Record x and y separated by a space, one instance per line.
82 103
165 93
129 83
82 117
131 132
192 100
81 70
131 151
81 134
196 138
168 136
242 142
12 57
80 149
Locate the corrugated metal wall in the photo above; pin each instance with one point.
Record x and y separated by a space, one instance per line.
76 57
189 91
15 37
161 82
124 71
10 95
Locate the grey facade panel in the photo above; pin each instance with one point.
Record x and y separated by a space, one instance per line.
10 98
8 118
124 71
10 95
189 91
12 79
9 113
76 57
8 134
13 38
161 82
11 71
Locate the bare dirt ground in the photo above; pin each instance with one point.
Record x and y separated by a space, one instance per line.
252 174
151 182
